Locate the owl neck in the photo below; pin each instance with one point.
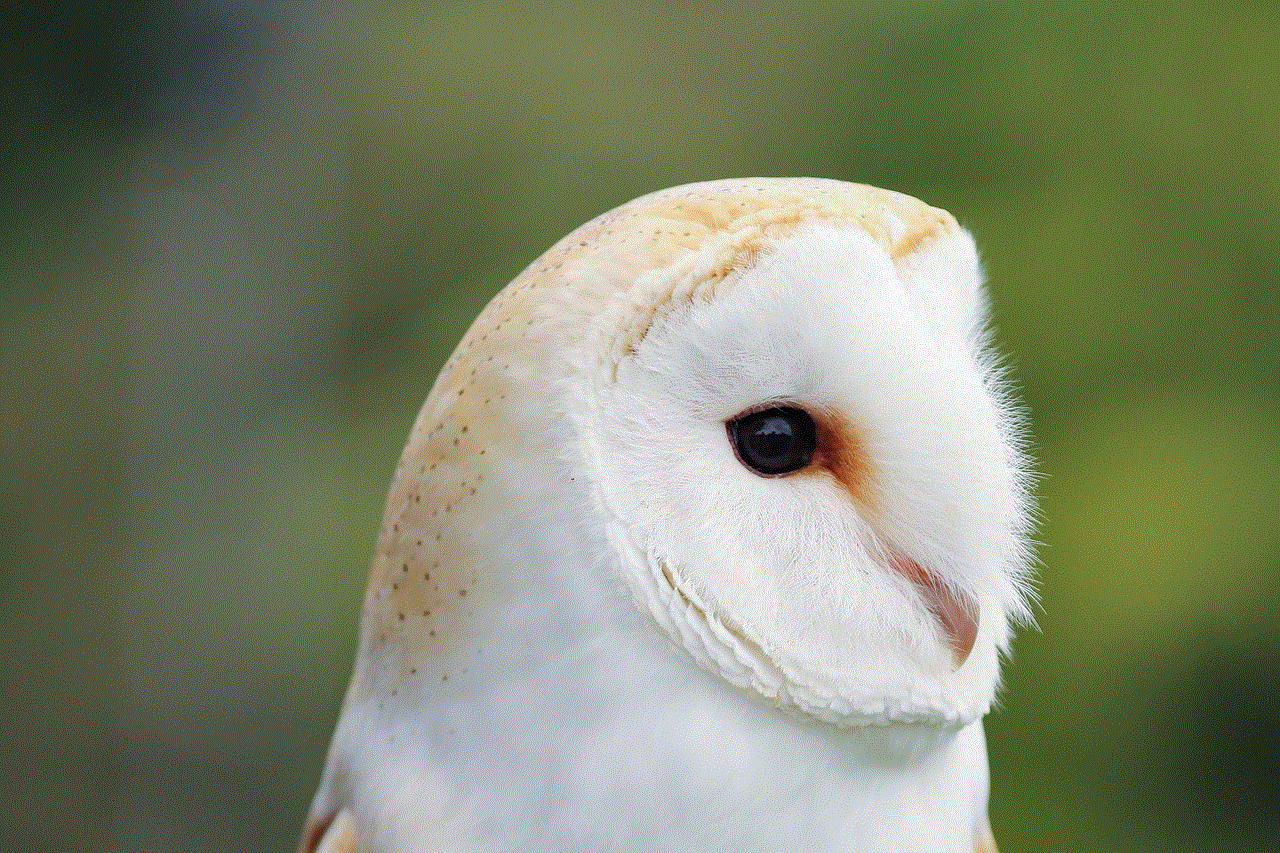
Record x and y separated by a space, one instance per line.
578 725
620 742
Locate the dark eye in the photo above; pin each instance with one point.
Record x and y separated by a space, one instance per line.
774 442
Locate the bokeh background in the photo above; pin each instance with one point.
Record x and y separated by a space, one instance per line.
237 241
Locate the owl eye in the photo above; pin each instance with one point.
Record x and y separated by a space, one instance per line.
773 442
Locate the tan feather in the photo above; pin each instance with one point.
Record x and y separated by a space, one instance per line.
986 842
338 835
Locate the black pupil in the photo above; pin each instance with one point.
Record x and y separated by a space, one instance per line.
774 441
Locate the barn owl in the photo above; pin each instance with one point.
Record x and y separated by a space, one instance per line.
709 537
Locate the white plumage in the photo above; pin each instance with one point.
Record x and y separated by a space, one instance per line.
601 473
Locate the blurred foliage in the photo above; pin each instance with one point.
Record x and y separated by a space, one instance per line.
238 241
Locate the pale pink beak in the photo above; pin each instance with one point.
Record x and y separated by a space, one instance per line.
956 613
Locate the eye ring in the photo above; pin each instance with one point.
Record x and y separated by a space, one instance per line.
773 442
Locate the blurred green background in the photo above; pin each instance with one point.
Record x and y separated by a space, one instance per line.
238 241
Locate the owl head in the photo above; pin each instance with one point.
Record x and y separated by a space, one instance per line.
764 407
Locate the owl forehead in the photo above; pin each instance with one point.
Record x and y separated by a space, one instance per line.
690 245
661 252
897 222
825 301
683 244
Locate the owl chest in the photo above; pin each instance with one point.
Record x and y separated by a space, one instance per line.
684 763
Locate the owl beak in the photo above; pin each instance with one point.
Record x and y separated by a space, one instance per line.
955 612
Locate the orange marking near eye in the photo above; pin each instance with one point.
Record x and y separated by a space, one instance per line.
841 455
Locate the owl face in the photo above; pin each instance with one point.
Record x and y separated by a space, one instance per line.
809 474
